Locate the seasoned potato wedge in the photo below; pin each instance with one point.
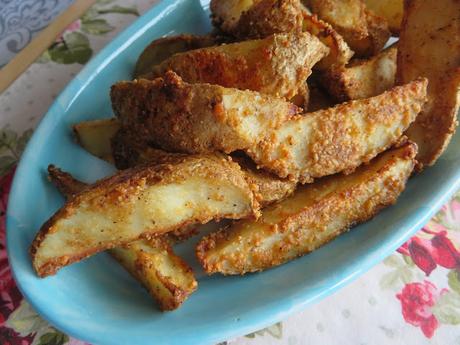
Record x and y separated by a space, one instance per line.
314 215
277 65
362 78
429 46
339 51
391 10
365 33
300 147
167 278
95 136
267 187
163 48
140 202
183 117
265 17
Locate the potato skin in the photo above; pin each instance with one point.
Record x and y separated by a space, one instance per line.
431 48
125 201
310 218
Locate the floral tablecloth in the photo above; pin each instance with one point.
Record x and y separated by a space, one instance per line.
413 297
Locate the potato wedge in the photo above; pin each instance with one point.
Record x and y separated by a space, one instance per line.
391 10
431 48
311 217
163 48
182 117
265 17
373 43
339 51
267 187
144 201
167 277
299 147
362 78
95 136
277 65
364 32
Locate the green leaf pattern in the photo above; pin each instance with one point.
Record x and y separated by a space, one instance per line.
11 147
74 46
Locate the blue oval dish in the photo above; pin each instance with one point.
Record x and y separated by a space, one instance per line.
97 301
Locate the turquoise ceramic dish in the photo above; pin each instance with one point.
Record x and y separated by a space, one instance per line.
99 302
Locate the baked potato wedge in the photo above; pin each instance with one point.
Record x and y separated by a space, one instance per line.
364 32
277 65
95 136
267 187
175 116
196 118
314 215
145 201
225 14
165 47
339 51
391 10
431 48
167 278
362 78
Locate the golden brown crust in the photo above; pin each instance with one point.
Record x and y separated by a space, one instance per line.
362 78
67 185
191 118
431 48
277 65
311 217
391 10
122 208
267 17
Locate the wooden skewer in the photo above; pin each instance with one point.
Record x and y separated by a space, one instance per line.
40 43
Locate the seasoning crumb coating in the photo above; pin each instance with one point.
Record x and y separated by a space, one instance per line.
314 215
142 202
167 278
277 65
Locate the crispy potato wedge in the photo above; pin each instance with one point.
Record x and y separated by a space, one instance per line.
165 47
267 187
144 201
95 136
182 117
299 147
167 278
265 17
391 10
277 65
431 48
373 43
365 33
314 215
362 78
339 51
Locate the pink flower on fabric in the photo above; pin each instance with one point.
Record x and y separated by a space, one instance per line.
417 300
427 254
76 25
